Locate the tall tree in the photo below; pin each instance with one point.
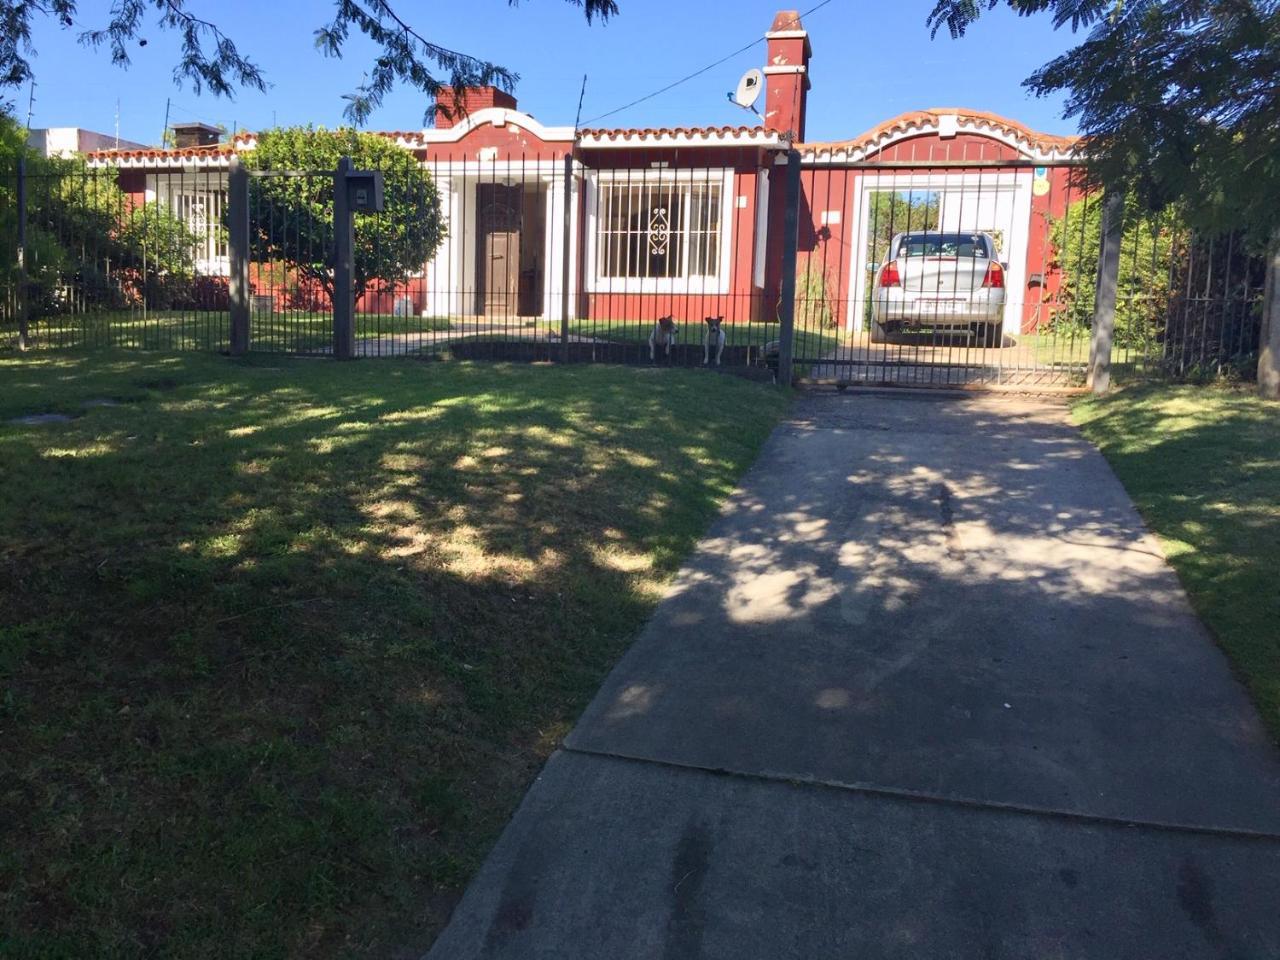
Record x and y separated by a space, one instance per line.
86 246
211 60
292 216
1179 99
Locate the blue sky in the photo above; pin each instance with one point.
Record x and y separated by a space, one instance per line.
871 61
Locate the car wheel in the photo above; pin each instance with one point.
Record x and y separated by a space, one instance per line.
989 334
880 333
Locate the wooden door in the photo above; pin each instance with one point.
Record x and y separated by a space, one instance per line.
498 222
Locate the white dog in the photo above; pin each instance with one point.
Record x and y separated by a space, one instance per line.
663 335
714 340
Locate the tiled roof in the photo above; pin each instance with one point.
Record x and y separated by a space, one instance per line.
413 137
214 154
727 135
918 122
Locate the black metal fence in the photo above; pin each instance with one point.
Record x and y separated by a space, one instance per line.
899 273
87 264
971 273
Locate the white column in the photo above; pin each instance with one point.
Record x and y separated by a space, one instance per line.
555 247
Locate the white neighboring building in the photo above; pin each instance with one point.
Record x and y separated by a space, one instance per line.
70 141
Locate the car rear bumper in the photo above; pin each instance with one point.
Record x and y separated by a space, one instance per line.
900 309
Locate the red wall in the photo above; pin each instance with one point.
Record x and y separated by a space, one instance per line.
742 303
824 249
962 148
1066 187
513 144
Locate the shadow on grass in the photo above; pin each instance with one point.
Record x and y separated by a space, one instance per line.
282 643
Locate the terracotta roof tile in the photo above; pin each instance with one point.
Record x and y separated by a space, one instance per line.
925 120
700 133
238 142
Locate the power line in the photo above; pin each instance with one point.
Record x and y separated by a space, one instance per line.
699 72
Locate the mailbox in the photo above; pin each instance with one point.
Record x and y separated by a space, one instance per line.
364 191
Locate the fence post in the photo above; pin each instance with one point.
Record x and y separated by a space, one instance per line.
565 274
1104 300
24 293
1269 355
238 254
344 242
787 295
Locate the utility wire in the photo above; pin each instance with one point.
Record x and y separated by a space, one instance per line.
699 72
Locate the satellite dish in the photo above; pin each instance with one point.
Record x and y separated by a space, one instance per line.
749 88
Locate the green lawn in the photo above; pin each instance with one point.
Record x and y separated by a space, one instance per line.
1203 466
1062 348
291 330
283 642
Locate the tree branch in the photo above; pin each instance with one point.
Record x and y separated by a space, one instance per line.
407 56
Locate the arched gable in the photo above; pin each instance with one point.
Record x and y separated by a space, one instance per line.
945 135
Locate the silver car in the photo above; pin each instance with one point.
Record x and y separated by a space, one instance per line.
941 280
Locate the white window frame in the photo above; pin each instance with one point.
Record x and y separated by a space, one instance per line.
717 283
762 227
166 189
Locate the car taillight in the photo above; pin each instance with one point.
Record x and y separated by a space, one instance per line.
995 276
889 275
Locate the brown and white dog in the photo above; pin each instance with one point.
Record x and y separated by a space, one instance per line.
663 335
714 340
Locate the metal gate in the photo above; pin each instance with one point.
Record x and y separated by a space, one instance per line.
958 274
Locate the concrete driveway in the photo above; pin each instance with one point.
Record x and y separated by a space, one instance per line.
928 689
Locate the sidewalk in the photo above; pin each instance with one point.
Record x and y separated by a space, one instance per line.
927 689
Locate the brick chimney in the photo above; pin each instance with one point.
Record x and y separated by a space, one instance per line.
786 74
453 107
195 135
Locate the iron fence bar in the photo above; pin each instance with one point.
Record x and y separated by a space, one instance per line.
24 293
286 174
787 300
343 264
238 256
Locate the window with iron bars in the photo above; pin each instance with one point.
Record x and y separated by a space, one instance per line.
199 203
202 213
649 230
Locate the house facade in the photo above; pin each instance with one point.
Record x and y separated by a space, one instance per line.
687 221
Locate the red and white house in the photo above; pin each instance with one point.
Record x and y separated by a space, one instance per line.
684 221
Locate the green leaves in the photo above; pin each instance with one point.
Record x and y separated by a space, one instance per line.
1178 99
291 217
1154 253
209 58
86 246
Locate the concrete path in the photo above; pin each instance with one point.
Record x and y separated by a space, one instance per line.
928 689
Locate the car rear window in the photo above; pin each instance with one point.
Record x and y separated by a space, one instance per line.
943 245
